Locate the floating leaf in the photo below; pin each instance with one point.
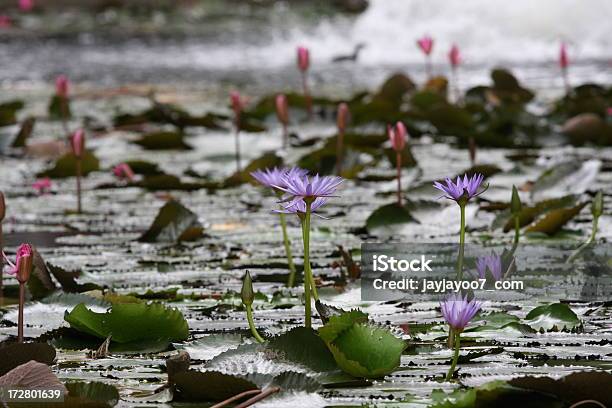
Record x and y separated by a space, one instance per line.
90 394
163 141
196 386
144 168
27 126
556 219
553 317
31 375
67 280
14 355
173 223
267 160
302 345
65 166
8 112
388 219
59 107
131 322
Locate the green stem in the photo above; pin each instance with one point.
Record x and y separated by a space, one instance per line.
588 242
455 356
307 268
287 243
517 230
249 311
461 243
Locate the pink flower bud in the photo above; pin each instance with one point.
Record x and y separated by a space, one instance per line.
236 102
42 186
303 58
282 109
2 207
397 136
563 57
5 21
22 267
454 56
343 116
123 171
77 142
61 86
26 5
426 44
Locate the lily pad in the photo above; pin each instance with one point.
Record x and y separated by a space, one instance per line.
59 107
388 219
302 345
16 354
174 223
163 141
131 322
90 394
27 126
196 386
553 317
8 112
65 166
556 219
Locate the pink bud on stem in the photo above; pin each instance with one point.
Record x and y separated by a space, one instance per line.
303 62
22 269
397 136
454 57
123 171
61 91
77 141
426 43
26 5
237 106
341 121
282 113
564 65
2 215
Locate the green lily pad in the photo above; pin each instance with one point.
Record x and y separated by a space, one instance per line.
553 221
27 126
59 106
302 345
196 386
553 317
65 166
131 322
163 141
8 112
90 394
267 160
174 223
388 219
144 168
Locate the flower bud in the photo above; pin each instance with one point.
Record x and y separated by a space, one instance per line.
247 294
77 142
515 203
343 117
454 56
282 109
2 207
24 262
597 205
563 57
236 102
61 86
123 171
303 58
397 136
26 5
426 44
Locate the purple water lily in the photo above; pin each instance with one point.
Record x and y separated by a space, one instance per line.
301 187
276 176
458 311
299 207
492 263
463 189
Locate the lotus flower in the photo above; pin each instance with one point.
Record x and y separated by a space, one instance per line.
277 176
5 21
462 190
397 136
26 5
300 187
426 43
77 141
61 86
458 311
42 186
454 56
22 260
282 109
123 171
303 58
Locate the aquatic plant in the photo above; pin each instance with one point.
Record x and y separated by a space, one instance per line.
5 21
597 206
304 195
461 191
2 216
22 269
489 263
458 312
42 186
237 107
564 63
303 63
454 58
515 210
271 178
342 119
247 295
77 142
123 171
63 99
282 113
426 44
397 135
26 5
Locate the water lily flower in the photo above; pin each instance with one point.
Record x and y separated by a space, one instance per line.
22 269
458 312
341 121
276 177
491 263
282 113
303 62
564 63
5 21
123 171
454 56
299 207
426 43
42 186
61 86
26 5
309 188
461 192
398 135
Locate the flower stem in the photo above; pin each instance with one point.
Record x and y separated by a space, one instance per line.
588 242
287 243
461 243
398 162
455 356
79 171
237 143
285 136
339 148
309 285
249 312
20 317
307 97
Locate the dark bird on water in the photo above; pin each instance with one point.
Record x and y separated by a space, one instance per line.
352 57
